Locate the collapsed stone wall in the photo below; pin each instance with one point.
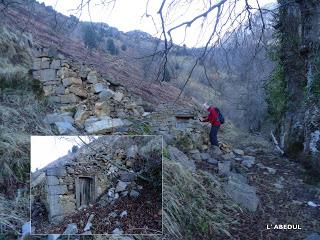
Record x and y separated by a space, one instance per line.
83 99
112 163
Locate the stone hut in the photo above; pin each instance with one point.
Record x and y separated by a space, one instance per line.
106 169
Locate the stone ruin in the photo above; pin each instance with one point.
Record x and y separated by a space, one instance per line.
97 171
83 99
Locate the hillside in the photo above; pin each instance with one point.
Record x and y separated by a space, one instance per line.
251 186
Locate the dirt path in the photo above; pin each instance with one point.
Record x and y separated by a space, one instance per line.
283 200
283 188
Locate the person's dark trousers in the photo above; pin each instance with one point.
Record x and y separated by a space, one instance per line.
213 135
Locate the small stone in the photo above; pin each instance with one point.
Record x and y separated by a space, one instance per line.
106 94
92 77
123 214
134 194
81 115
224 168
205 156
71 229
132 151
228 156
99 87
65 128
121 186
118 96
248 161
238 152
127 177
117 231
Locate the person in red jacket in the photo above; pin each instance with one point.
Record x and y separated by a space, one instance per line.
213 118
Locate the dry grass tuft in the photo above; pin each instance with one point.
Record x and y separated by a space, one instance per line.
195 206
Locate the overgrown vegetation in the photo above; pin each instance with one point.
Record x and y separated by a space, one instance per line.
111 47
194 204
314 88
276 87
20 116
90 37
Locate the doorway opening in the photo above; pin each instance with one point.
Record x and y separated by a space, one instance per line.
85 191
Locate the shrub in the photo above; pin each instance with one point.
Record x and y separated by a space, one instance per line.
90 37
112 49
123 47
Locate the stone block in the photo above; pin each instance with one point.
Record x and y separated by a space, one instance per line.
71 81
52 180
36 65
92 77
57 171
47 75
78 90
55 64
45 62
57 189
69 98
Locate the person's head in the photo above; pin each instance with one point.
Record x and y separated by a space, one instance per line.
205 106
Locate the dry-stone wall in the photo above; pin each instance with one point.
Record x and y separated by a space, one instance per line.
83 99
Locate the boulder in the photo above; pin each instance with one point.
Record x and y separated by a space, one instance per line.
103 124
243 194
237 177
71 229
178 156
92 77
248 161
58 117
128 177
121 186
64 128
134 194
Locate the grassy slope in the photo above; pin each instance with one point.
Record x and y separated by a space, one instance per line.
20 116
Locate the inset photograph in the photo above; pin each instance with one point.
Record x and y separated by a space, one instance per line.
96 185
